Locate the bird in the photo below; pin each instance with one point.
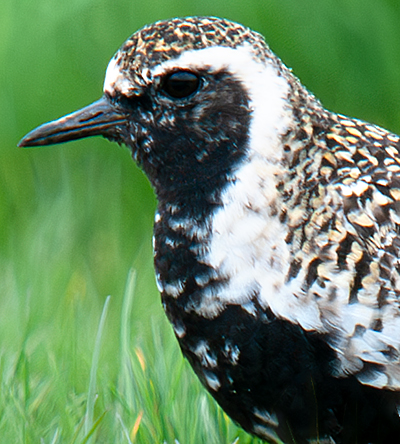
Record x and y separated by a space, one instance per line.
276 234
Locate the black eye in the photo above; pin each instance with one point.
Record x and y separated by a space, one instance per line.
181 84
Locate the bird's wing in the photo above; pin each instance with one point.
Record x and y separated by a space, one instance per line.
356 229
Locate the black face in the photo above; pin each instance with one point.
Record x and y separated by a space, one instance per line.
190 128
186 130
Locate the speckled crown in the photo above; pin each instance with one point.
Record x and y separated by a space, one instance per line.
166 39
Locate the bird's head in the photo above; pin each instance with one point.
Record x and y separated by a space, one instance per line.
190 97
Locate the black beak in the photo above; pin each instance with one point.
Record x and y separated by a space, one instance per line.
99 118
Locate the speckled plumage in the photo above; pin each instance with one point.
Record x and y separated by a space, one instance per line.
276 236
165 40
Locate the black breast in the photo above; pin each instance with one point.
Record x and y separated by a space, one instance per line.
256 363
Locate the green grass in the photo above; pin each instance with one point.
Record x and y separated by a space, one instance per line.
86 353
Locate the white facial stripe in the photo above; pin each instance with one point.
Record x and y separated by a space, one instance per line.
112 75
266 88
115 79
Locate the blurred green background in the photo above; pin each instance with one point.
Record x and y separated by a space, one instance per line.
75 219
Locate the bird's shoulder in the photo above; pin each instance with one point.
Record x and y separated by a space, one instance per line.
343 214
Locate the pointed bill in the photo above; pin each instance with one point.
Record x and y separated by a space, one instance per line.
98 118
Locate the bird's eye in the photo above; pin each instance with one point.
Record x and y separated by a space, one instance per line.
181 84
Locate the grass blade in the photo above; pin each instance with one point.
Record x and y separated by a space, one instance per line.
91 399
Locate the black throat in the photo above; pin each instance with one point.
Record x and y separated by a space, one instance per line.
194 150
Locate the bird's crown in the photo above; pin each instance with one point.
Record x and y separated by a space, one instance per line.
148 51
167 39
